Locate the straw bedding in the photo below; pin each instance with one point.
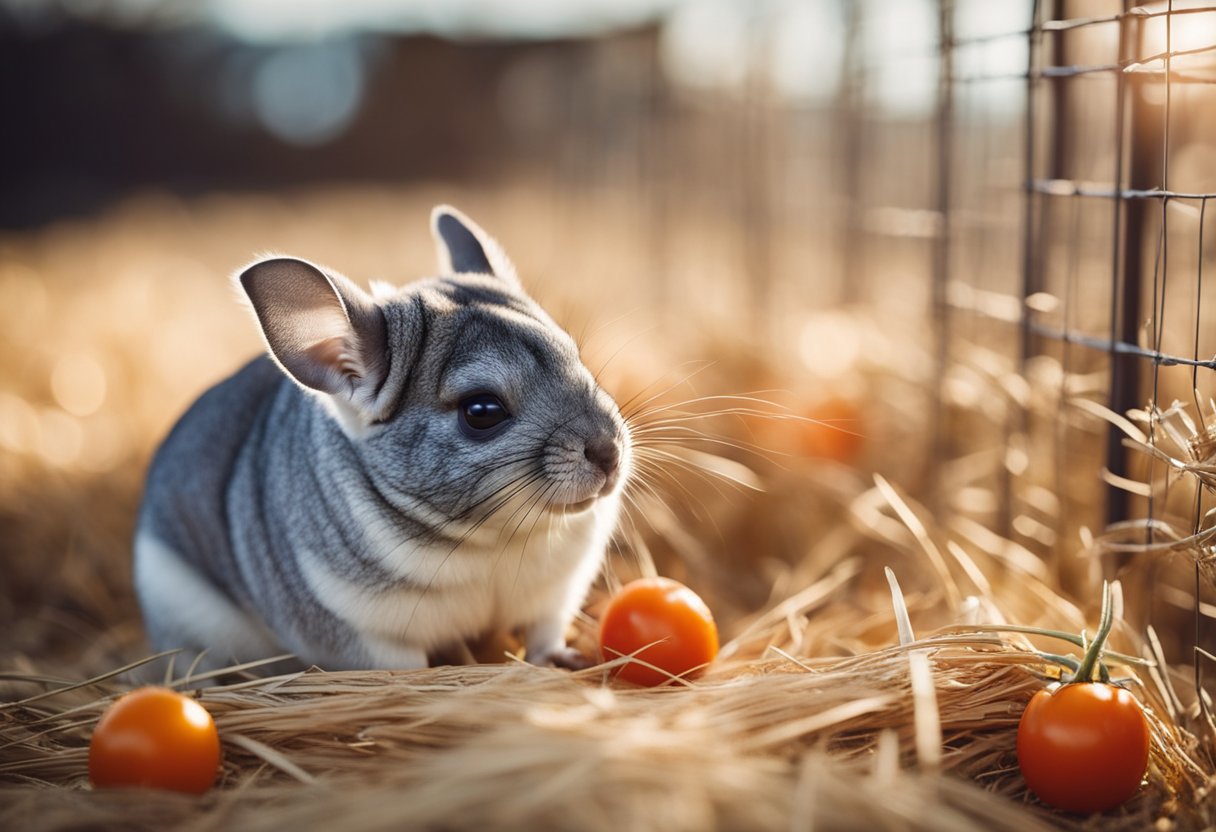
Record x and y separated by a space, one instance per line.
767 745
919 736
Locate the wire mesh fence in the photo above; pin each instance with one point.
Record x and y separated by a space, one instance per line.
1102 182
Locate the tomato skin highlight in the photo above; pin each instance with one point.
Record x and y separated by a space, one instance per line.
155 737
1083 747
667 616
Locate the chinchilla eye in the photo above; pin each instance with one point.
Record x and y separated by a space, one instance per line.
480 415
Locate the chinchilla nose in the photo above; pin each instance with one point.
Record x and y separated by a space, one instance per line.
604 453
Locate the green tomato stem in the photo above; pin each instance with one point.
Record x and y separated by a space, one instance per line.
1068 661
1071 638
1091 661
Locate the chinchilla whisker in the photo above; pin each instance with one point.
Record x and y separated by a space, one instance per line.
513 476
512 488
540 501
501 498
439 531
490 504
597 374
516 487
507 534
652 441
631 537
515 492
505 543
485 472
521 459
692 498
658 456
677 426
750 403
643 481
650 422
650 472
697 499
632 401
452 550
694 503
633 499
644 487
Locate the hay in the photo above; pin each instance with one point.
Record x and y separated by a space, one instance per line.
917 736
760 744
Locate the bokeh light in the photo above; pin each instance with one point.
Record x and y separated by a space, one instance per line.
309 94
78 383
60 437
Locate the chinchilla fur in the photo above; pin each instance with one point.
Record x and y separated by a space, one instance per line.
406 470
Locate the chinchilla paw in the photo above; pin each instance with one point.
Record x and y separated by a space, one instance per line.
567 658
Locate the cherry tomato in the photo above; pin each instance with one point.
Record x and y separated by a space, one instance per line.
829 428
155 737
1083 747
836 433
667 616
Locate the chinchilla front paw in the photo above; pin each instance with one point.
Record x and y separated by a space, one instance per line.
565 657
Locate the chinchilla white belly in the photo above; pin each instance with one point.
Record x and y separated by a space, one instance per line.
447 594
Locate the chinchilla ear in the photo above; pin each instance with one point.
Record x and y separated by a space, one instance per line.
324 331
464 248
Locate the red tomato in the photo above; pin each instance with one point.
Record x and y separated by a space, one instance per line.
667 616
155 737
1083 747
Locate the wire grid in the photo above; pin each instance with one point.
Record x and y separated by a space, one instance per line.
1117 165
1140 178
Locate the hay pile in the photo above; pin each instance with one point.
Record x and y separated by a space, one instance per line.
813 718
919 736
761 745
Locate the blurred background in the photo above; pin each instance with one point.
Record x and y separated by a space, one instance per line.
958 230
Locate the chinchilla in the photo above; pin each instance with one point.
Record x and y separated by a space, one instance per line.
406 470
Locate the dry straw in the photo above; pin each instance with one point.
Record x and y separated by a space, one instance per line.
913 736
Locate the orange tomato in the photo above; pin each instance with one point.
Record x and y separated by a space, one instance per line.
661 622
828 428
155 737
1083 747
836 431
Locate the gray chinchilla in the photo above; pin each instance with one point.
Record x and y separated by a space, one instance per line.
408 469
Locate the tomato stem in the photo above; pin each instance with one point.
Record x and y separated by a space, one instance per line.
1091 661
1068 661
1071 638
